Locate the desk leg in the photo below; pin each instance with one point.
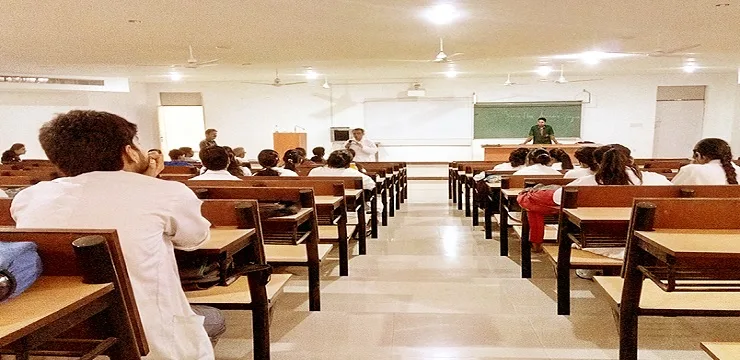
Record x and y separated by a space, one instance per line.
563 267
362 233
630 306
260 315
391 201
453 182
374 216
459 193
476 202
343 242
526 247
467 199
384 201
314 282
488 218
504 228
399 197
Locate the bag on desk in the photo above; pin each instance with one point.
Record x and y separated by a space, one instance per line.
271 210
20 266
198 273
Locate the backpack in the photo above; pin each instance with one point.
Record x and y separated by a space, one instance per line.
20 266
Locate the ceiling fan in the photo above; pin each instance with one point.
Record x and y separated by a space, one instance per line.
508 81
675 52
277 82
192 62
562 80
441 56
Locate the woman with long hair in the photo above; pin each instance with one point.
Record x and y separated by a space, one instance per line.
561 160
269 160
338 164
291 160
517 160
538 161
712 165
588 165
235 167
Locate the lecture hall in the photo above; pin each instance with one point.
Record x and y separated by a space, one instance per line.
370 179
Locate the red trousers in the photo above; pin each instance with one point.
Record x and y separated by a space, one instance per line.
538 204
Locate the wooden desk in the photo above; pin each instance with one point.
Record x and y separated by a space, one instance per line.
47 305
499 152
581 216
722 351
333 201
331 210
507 204
685 244
353 192
227 240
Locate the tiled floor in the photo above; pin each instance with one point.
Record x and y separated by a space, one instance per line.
432 287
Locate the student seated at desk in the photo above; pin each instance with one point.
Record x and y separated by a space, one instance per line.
188 154
338 164
538 161
215 161
318 155
13 155
235 166
712 165
304 157
588 164
517 160
176 158
111 184
269 160
616 167
561 160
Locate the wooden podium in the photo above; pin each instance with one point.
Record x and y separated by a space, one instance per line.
284 141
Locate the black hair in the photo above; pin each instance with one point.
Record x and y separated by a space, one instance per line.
214 158
234 167
176 154
339 159
613 169
17 146
518 157
186 150
292 159
301 151
718 149
561 156
543 119
318 155
268 159
358 129
210 131
156 151
539 156
585 156
352 152
83 141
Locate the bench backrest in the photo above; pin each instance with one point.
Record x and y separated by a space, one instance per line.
41 175
192 170
244 214
624 195
643 161
320 187
517 181
302 196
58 257
694 213
17 181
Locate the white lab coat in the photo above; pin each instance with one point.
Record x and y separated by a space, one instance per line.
366 153
537 169
557 166
152 217
577 173
216 175
507 167
3 195
367 182
711 173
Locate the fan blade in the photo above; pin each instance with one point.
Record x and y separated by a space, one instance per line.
206 65
416 61
156 65
676 50
584 80
456 54
257 83
294 83
208 62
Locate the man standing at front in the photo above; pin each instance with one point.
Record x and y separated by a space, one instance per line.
364 148
111 184
541 133
210 139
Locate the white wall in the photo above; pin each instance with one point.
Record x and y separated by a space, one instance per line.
622 109
23 112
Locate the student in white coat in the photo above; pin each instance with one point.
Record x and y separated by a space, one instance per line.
364 148
112 185
560 160
269 160
588 165
215 160
538 161
338 164
517 159
712 165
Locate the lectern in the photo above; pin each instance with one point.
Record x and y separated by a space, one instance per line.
284 141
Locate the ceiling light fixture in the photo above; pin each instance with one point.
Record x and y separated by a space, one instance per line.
311 74
442 14
592 57
451 73
544 70
175 76
326 84
690 67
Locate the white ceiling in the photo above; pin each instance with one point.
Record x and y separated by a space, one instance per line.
356 39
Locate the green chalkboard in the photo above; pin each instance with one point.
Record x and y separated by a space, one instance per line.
513 120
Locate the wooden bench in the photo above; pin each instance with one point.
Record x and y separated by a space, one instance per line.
722 350
84 284
598 216
238 244
17 181
288 232
180 170
40 175
329 200
386 175
682 259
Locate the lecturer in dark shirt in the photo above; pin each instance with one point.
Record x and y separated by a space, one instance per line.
13 155
541 133
210 139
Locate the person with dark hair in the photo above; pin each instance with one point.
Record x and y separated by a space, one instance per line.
111 184
338 164
541 133
561 160
13 155
269 160
517 160
176 158
235 167
712 165
538 161
318 155
216 162
616 167
210 139
364 148
291 160
588 165
187 154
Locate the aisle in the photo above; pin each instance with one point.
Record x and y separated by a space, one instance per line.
433 287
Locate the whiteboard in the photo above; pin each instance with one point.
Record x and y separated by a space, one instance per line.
419 121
